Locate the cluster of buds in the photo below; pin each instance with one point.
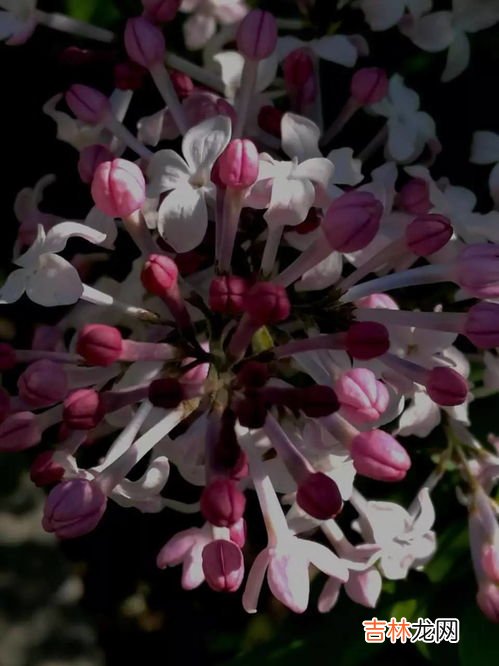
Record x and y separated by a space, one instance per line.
255 344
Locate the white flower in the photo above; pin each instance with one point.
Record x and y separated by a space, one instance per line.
18 20
334 48
286 565
47 278
408 128
183 214
485 150
202 24
406 539
448 30
458 204
383 14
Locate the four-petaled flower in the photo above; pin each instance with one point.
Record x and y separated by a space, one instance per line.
47 278
183 214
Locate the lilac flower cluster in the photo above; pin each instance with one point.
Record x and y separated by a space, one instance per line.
255 345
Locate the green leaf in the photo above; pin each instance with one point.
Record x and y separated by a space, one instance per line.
479 644
452 546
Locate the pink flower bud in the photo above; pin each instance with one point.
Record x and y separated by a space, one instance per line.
99 344
118 188
222 503
490 561
227 294
319 496
19 431
414 197
161 11
4 404
482 325
446 387
167 393
377 301
90 158
44 471
257 35
42 384
298 67
369 85
183 84
488 600
238 164
223 565
7 357
144 42
253 374
269 120
352 221
299 76
377 455
318 400
366 340
238 532
88 105
73 508
267 303
363 398
427 234
159 275
477 270
83 409
129 75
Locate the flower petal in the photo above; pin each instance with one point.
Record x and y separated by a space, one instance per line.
288 579
336 48
485 148
347 169
433 32
290 201
203 143
183 218
14 286
420 418
54 282
59 235
329 595
324 559
458 57
198 29
382 14
300 137
254 581
317 169
166 171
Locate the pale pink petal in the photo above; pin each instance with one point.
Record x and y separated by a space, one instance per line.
254 581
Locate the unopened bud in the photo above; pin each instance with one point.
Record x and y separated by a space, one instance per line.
366 340
88 104
144 42
257 35
223 565
118 188
99 344
377 455
227 294
222 503
319 496
352 221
